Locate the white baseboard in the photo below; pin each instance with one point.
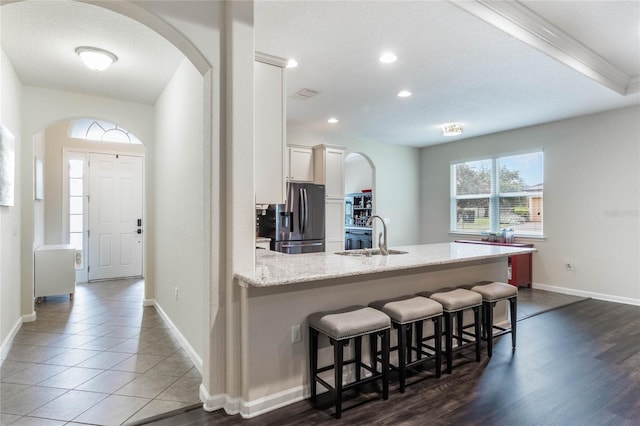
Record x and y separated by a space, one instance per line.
195 358
222 401
29 318
250 409
273 402
582 293
211 402
6 343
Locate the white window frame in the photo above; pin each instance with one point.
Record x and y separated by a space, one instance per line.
493 197
81 274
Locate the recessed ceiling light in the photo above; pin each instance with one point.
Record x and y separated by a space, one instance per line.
404 94
332 120
96 59
452 129
388 58
292 63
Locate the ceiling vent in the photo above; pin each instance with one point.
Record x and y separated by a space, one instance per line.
304 94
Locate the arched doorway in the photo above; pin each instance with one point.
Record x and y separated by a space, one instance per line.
360 201
59 106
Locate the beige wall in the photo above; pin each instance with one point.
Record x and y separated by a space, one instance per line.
39 206
591 199
177 209
10 236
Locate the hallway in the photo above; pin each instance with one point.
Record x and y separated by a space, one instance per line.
101 359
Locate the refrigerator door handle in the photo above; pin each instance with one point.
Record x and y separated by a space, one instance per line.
301 210
306 211
302 245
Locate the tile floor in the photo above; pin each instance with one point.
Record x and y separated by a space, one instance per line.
103 359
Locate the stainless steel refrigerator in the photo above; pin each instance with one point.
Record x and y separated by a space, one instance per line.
298 225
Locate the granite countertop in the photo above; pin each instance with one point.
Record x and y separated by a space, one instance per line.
275 269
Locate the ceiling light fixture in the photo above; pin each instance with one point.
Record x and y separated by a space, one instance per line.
388 58
332 120
452 129
96 59
292 63
404 94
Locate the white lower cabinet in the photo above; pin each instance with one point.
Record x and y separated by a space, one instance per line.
55 271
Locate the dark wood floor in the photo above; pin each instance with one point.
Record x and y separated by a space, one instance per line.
577 365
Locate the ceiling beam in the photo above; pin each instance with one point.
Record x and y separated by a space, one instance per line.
522 23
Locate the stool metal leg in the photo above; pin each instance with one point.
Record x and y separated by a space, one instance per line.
419 334
478 330
448 329
385 363
513 308
373 351
460 325
409 342
313 356
358 356
338 352
402 354
488 306
438 345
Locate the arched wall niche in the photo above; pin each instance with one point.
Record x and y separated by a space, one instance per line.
359 172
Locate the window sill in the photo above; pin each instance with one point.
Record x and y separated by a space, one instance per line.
475 235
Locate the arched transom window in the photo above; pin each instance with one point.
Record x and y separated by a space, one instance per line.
103 131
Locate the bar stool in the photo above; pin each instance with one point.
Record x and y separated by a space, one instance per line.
407 312
454 302
493 292
340 326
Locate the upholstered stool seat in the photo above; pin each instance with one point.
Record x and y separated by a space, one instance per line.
493 292
407 312
341 326
454 302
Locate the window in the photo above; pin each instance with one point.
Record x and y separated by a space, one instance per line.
102 131
76 208
495 193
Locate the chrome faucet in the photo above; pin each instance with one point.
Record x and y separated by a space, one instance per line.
382 244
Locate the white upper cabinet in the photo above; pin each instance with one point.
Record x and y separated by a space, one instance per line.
329 169
269 129
300 164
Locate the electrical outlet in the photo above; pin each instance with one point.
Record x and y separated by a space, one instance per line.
175 291
569 265
295 334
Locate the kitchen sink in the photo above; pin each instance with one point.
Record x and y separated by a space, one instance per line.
368 252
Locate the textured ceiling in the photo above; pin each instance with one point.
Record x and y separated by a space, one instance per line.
458 67
40 38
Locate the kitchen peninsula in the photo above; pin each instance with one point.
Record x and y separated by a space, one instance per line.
283 289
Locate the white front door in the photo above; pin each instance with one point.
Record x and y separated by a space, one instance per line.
115 216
